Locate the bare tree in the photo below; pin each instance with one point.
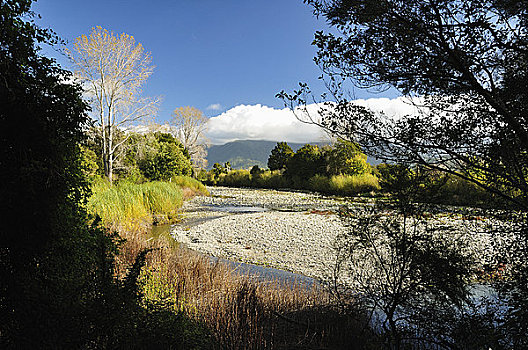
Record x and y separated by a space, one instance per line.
191 124
112 69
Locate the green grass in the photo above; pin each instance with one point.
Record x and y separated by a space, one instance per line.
132 205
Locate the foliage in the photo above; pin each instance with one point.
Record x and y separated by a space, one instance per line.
236 178
306 162
345 158
169 159
344 185
151 156
113 69
466 59
280 156
256 170
55 268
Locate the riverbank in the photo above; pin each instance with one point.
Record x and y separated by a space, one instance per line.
296 231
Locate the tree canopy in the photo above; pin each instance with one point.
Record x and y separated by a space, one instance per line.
279 157
463 64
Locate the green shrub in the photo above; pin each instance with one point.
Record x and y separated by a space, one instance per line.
240 178
346 185
353 184
319 183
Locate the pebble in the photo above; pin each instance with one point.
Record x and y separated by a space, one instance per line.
296 233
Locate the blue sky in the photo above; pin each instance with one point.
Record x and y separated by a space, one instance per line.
206 52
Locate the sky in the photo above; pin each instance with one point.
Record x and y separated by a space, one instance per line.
228 58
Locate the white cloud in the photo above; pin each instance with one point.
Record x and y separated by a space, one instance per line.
214 107
257 122
395 108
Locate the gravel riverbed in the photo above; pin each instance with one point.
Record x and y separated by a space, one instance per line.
291 231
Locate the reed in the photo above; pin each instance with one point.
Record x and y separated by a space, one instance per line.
238 311
132 206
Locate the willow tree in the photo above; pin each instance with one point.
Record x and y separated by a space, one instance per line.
191 125
113 68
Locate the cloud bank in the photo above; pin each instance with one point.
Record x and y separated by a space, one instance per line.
258 122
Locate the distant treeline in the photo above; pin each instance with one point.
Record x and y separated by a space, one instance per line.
342 169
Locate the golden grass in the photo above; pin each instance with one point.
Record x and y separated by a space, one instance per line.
238 311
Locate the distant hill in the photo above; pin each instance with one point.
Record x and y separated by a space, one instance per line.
243 154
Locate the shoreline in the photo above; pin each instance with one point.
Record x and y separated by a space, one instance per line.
297 231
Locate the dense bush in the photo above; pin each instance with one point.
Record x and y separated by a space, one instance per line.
306 162
168 160
346 185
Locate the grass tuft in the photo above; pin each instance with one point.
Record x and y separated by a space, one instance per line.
132 206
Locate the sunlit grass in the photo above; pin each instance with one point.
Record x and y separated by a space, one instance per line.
133 205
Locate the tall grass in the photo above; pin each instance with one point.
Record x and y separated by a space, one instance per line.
133 205
238 311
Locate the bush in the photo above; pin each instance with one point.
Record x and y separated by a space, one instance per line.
240 178
346 185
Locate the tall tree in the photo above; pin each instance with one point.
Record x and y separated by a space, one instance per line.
113 69
191 125
280 155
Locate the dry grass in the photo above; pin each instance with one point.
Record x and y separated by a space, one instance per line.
238 311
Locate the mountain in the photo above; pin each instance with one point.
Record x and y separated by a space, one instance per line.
243 154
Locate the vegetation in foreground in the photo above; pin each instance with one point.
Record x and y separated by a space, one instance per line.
237 311
223 309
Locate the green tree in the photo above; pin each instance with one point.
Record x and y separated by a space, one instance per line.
279 157
306 162
168 159
52 264
346 158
